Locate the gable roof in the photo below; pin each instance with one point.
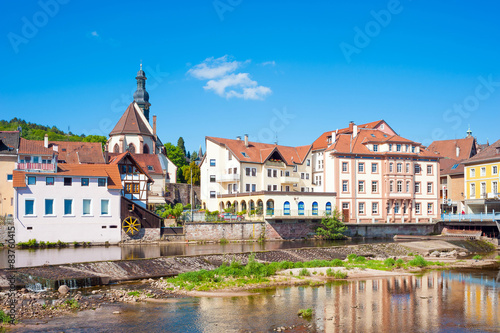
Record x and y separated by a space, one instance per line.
127 155
9 142
79 152
322 141
490 153
257 152
448 148
145 161
81 170
450 166
33 147
132 122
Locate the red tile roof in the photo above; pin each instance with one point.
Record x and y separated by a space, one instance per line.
257 152
33 147
490 153
449 166
79 152
89 170
322 141
117 158
145 161
448 148
131 123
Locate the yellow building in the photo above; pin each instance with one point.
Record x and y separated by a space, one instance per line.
481 181
9 143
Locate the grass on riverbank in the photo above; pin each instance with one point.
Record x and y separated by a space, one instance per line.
237 275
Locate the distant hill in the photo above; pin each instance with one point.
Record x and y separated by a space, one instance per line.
31 131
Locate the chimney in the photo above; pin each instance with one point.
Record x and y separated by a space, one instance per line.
46 141
334 137
154 125
246 140
106 154
354 131
458 151
238 138
351 125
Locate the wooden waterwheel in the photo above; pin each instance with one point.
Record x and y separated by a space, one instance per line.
131 225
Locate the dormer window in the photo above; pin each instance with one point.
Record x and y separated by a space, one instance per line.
329 139
375 147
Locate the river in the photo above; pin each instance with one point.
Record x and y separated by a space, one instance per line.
436 301
54 256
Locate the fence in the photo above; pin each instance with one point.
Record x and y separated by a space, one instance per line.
471 217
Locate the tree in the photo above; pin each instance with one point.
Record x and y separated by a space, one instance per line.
175 155
96 138
180 145
186 173
194 156
332 226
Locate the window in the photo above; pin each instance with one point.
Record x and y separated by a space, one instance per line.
472 190
212 194
413 149
483 190
85 182
86 206
407 187
212 162
247 187
244 154
361 186
429 169
286 208
494 186
31 180
49 206
473 172
407 167
344 185
345 205
130 169
398 147
104 207
374 207
406 148
29 207
494 169
391 167
269 172
287 188
275 173
399 167
9 177
417 208
390 146
374 167
35 159
301 208
294 168
361 167
429 188
212 178
49 180
391 186
315 208
151 168
254 172
235 188
275 187
229 156
417 187
375 147
229 171
417 168
307 176
248 171
361 208
269 188
301 175
344 166
400 186
101 182
68 181
68 206
396 207
374 186
328 208
483 171
254 186
308 162
429 208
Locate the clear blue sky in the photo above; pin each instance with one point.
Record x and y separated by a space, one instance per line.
228 67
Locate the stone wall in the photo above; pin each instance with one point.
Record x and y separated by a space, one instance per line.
210 231
290 230
144 235
5 223
391 229
181 193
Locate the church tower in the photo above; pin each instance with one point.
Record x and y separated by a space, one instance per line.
141 96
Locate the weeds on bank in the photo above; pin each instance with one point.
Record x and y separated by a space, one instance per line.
305 313
4 318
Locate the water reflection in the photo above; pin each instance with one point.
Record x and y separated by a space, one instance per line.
29 258
434 302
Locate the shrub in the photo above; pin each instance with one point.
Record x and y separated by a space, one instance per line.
360 259
134 293
337 263
223 241
304 272
305 313
4 318
351 256
418 261
497 258
411 254
399 263
477 257
72 303
389 262
336 274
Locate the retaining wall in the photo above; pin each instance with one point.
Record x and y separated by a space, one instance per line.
144 235
210 231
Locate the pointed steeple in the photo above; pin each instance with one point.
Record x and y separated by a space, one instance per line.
141 96
469 132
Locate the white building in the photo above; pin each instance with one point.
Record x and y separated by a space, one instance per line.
77 203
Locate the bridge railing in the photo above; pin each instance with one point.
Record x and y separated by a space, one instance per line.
471 217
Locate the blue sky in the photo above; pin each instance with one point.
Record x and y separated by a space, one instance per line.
285 69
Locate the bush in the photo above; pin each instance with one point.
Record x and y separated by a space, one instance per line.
223 241
134 293
72 303
351 256
360 259
332 226
337 263
305 313
477 257
418 261
304 272
389 262
399 263
336 274
4 318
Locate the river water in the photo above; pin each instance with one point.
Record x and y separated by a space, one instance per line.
54 256
436 301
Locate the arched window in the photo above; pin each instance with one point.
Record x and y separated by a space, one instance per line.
315 208
328 208
116 149
270 207
301 208
286 208
145 149
131 148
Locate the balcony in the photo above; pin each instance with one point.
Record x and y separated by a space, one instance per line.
228 178
400 195
289 180
37 167
276 164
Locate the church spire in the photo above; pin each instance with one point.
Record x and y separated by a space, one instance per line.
141 96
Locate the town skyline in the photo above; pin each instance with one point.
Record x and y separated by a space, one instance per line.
369 63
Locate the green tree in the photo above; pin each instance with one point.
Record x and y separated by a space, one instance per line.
194 156
175 155
180 145
186 172
332 226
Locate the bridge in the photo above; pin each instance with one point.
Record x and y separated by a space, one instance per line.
488 223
